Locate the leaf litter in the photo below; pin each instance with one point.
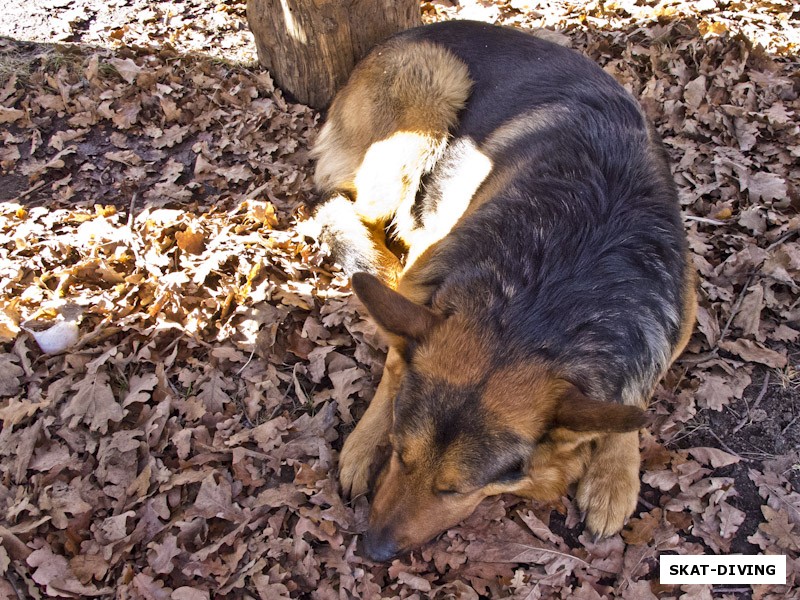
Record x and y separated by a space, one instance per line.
179 364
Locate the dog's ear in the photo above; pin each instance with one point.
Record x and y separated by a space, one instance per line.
578 412
394 312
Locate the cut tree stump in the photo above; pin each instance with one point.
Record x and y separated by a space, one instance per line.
311 46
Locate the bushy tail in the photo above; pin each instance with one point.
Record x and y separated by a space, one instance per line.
386 128
403 89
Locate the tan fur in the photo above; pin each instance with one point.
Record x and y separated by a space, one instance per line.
523 398
340 212
416 88
385 130
407 507
558 461
689 310
359 451
460 357
609 490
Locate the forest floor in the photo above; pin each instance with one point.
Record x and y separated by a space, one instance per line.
180 439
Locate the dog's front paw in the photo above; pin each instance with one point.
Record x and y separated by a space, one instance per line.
607 503
609 491
356 463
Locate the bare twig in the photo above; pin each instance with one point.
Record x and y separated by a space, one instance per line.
748 417
792 422
704 220
726 447
782 499
566 555
239 372
30 190
734 311
648 505
782 239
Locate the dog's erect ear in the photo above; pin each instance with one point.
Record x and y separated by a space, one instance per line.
578 412
393 311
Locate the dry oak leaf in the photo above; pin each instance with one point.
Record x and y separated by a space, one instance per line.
748 318
695 92
127 69
10 373
414 582
730 518
212 392
150 588
62 498
779 529
755 352
9 115
18 410
190 241
346 383
139 388
190 593
714 392
713 456
642 530
94 403
267 590
160 556
52 571
89 566
215 500
766 186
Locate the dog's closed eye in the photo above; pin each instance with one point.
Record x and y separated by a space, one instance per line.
399 456
514 473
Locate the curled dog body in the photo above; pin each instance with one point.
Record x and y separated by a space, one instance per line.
512 226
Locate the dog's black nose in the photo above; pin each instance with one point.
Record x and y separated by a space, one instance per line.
380 548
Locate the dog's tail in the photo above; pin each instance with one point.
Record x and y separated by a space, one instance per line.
389 124
386 128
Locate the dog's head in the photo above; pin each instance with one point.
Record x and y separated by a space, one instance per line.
468 424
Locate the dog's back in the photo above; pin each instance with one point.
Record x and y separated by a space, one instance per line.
580 251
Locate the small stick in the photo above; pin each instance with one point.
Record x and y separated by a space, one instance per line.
734 310
781 239
30 190
704 220
792 422
726 447
746 419
648 505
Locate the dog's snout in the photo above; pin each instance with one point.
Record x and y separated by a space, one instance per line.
380 546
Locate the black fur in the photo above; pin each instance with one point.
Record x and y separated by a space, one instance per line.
579 259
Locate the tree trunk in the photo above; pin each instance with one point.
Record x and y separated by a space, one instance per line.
311 46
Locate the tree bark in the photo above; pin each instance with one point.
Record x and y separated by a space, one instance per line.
311 46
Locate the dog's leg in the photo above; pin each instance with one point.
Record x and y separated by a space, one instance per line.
609 490
360 447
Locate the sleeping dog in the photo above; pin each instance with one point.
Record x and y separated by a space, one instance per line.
510 222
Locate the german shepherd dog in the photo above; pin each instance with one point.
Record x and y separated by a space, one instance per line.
510 222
